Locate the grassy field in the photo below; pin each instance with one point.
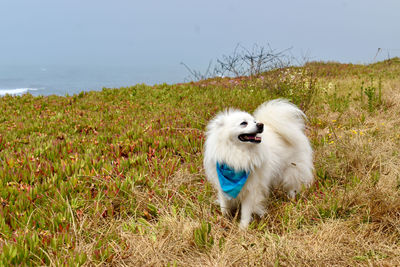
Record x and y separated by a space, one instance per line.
115 177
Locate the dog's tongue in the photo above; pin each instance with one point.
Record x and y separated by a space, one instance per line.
257 138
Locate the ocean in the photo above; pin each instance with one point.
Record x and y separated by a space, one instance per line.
61 80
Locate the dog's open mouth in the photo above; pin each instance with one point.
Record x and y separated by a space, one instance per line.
253 138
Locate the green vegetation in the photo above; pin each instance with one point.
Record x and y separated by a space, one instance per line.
115 177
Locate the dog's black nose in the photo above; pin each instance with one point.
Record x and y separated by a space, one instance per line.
260 126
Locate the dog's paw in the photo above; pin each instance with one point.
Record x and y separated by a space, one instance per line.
292 194
243 226
226 212
244 222
261 213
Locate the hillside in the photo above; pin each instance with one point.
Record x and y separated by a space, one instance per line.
115 177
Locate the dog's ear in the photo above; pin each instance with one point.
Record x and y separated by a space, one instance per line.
217 122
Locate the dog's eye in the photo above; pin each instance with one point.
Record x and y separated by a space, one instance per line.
244 123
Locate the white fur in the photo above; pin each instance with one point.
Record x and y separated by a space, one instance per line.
283 158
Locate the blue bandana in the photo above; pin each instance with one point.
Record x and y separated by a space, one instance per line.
231 182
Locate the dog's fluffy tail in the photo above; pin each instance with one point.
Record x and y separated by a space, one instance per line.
283 117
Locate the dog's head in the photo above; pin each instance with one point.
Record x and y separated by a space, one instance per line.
237 127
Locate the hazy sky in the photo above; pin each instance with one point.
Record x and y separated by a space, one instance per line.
164 33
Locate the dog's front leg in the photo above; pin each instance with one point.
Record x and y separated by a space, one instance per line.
227 205
246 211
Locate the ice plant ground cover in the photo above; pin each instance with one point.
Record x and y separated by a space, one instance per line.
115 177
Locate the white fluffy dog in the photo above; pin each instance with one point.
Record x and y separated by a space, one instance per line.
245 156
